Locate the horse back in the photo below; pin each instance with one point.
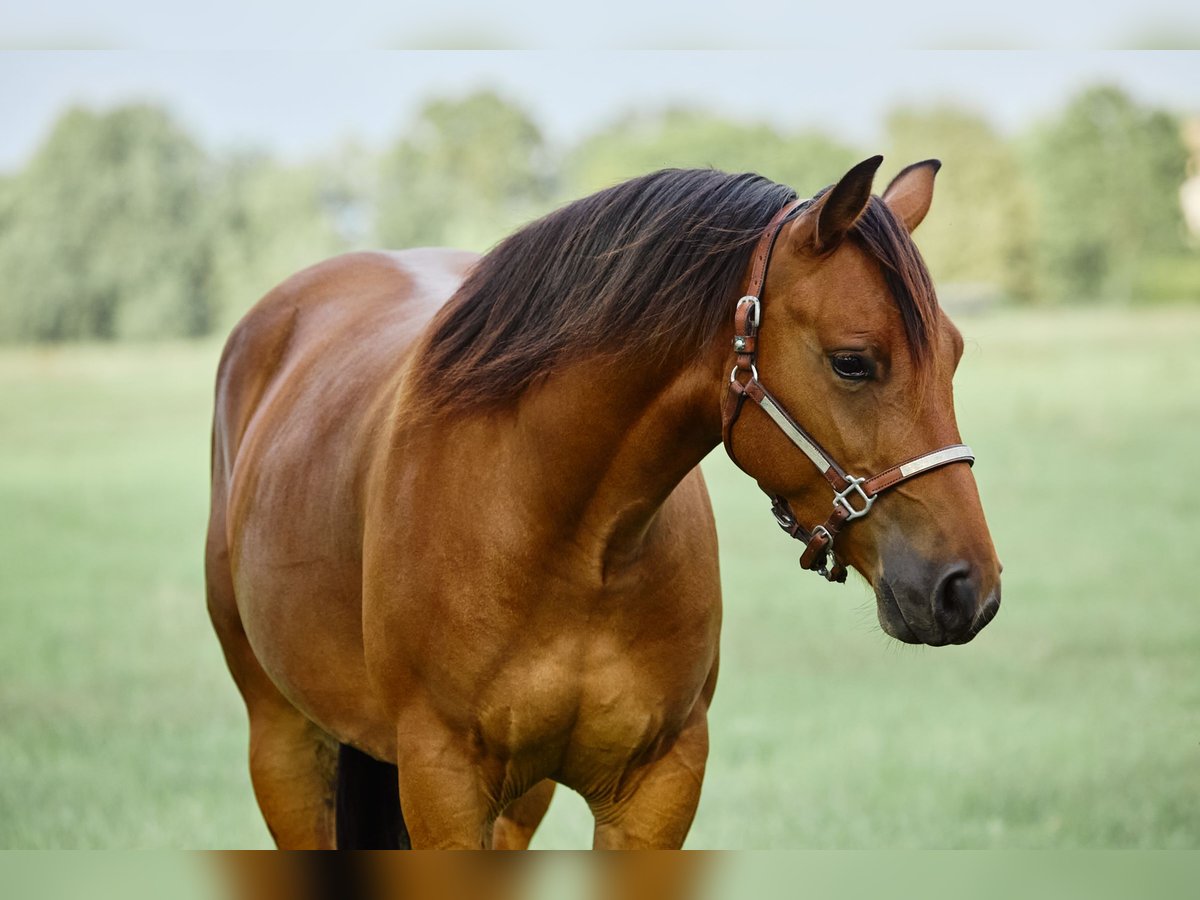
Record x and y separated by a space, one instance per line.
354 314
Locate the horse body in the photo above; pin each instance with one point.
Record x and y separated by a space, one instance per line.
589 630
458 525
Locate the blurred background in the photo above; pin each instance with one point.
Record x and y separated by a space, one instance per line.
148 198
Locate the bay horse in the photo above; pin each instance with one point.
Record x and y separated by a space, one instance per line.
460 547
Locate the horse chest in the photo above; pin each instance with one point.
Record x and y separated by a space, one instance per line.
547 672
594 698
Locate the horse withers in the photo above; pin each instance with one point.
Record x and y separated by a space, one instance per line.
460 548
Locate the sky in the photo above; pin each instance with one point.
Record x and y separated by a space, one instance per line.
755 26
301 103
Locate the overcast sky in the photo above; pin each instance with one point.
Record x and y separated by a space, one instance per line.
300 103
759 27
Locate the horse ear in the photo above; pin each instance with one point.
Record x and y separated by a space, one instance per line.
839 208
911 192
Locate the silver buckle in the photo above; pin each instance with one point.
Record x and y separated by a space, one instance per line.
783 518
756 314
854 486
828 560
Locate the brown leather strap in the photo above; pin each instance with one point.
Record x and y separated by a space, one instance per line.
731 410
745 327
775 410
762 251
746 319
910 468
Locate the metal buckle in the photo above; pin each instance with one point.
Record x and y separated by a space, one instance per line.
756 315
784 518
854 485
828 560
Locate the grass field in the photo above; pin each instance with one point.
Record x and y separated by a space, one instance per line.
1073 721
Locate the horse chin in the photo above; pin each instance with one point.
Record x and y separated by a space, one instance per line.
891 617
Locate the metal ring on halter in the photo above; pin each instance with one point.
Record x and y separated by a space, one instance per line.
736 369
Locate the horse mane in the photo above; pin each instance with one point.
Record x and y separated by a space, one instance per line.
647 268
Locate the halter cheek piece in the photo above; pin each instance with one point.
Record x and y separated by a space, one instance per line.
852 497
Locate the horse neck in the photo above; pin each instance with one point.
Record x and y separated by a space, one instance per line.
603 445
625 439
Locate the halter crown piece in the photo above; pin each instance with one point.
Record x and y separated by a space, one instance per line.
852 496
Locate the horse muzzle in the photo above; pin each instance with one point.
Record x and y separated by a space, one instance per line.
949 605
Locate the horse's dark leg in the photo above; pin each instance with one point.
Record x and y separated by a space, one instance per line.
368 804
515 827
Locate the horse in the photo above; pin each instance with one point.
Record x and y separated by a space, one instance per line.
460 548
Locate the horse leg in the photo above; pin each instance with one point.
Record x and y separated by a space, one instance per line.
515 827
448 798
659 811
293 763
293 767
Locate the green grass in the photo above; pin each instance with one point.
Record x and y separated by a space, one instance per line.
1073 721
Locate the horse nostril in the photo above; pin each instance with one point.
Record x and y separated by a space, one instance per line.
955 599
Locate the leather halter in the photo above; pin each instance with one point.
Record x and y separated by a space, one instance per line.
853 497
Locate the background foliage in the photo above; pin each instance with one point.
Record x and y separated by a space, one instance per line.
124 226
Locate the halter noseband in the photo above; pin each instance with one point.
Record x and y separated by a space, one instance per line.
853 497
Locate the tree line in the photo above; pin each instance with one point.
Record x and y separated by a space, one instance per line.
122 225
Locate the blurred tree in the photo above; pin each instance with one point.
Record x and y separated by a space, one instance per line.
120 226
272 220
977 233
466 172
8 219
104 234
1107 174
684 138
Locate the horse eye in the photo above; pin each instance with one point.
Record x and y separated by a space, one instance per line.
851 366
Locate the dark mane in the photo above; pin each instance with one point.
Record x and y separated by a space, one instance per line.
649 267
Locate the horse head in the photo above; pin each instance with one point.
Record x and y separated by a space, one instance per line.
852 360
